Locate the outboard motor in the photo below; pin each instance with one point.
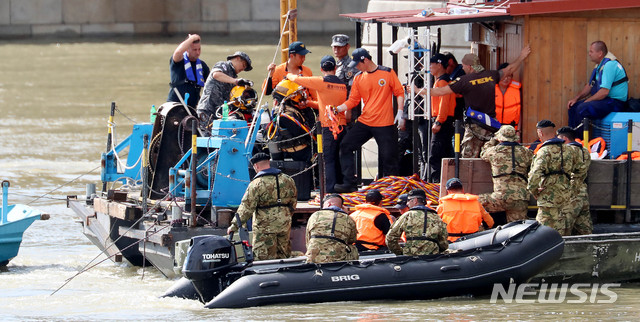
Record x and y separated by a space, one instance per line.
208 261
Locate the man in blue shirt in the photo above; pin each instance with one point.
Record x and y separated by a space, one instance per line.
608 88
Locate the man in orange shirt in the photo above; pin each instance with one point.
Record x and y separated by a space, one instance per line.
331 92
462 212
375 85
293 65
442 113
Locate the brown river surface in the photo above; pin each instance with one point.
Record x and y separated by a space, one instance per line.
54 104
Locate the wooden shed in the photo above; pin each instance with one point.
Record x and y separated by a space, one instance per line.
560 32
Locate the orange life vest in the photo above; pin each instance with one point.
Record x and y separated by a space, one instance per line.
462 213
596 145
635 155
508 104
368 234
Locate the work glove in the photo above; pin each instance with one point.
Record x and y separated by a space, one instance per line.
244 82
400 120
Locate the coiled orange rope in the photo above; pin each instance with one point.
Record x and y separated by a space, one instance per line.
390 187
332 116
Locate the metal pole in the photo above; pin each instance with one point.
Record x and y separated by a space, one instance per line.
5 202
456 146
109 136
426 58
194 158
145 172
321 169
379 62
627 217
355 112
585 133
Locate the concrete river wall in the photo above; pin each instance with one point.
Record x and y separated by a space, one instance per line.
76 18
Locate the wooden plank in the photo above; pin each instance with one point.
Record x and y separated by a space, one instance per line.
606 31
556 104
581 64
569 80
124 211
530 88
633 31
545 73
593 34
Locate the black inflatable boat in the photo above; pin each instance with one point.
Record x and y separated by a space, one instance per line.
508 254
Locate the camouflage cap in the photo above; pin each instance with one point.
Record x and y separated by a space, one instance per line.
506 133
474 61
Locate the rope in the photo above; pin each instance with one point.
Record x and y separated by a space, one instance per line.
390 187
64 184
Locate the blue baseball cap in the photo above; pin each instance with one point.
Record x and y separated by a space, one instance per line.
453 183
327 63
297 47
358 56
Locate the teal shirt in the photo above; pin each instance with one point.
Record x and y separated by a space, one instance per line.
612 72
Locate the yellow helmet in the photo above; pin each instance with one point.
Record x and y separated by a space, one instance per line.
243 97
288 90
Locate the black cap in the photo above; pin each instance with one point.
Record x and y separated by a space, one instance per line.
260 156
327 63
297 47
503 66
440 59
417 193
358 56
401 202
449 55
244 56
545 123
567 131
373 196
453 183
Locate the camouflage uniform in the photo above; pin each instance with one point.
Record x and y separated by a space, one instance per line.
271 221
583 224
329 240
550 171
412 224
474 138
509 174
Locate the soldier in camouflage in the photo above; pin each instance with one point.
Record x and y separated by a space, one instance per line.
550 179
270 199
422 238
331 233
580 201
510 164
473 139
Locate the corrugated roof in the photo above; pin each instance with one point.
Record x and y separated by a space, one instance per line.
412 18
559 6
